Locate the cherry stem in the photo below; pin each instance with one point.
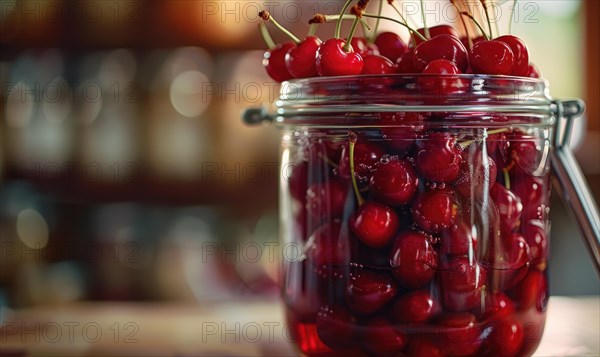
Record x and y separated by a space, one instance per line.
466 143
267 17
487 17
352 143
266 36
412 38
338 26
348 46
512 13
396 21
464 13
464 23
423 17
312 29
374 33
506 178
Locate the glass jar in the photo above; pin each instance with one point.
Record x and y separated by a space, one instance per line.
414 212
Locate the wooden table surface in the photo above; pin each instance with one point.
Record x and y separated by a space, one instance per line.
240 328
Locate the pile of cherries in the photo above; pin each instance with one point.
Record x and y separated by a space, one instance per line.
443 52
427 246
416 239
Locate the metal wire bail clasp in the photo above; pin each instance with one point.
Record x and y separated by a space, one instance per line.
569 179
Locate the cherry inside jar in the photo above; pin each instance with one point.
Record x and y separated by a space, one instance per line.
418 215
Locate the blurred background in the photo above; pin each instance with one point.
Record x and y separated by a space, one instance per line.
127 174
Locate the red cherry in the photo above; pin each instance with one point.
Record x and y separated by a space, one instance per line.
395 182
334 60
497 305
300 61
435 210
413 259
422 347
436 31
461 281
325 201
441 47
390 45
336 327
328 245
504 338
532 292
524 151
508 266
415 306
492 57
533 71
519 49
460 334
374 224
380 338
376 64
509 207
366 155
458 240
403 130
534 193
438 157
368 292
441 66
404 64
363 47
442 85
535 234
274 61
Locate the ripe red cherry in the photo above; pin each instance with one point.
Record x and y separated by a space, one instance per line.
325 201
374 224
395 182
336 326
533 192
461 281
441 66
519 49
300 60
436 31
438 158
422 347
442 85
328 245
524 151
509 207
390 45
334 60
413 259
508 266
535 234
367 292
404 64
504 337
492 57
380 338
532 292
415 306
458 240
533 71
363 47
460 334
366 155
497 305
435 210
403 130
441 47
376 64
274 61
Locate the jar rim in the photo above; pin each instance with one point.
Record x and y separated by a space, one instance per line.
366 95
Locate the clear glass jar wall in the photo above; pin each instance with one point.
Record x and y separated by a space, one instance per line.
418 207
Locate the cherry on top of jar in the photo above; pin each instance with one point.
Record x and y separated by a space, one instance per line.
464 98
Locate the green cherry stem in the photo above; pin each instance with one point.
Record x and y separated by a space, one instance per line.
348 46
506 178
423 17
464 13
266 36
466 143
487 17
396 21
267 17
464 23
352 143
338 26
412 38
